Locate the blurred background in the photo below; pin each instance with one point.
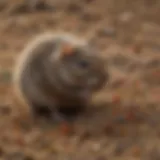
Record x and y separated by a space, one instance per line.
126 126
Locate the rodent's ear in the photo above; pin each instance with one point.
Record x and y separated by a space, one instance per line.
66 50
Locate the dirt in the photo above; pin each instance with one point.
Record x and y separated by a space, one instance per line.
123 122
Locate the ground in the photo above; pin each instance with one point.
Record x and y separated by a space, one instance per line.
123 122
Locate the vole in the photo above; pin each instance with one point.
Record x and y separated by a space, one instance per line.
58 73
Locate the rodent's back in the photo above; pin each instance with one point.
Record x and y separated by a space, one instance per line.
39 46
27 67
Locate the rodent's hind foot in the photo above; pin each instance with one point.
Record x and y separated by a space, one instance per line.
41 111
71 112
68 114
59 115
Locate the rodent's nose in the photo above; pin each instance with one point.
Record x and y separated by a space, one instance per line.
98 82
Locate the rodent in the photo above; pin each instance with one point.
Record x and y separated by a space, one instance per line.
58 71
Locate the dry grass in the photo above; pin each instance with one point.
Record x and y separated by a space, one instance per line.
125 123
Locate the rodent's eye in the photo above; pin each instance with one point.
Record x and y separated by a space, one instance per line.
83 64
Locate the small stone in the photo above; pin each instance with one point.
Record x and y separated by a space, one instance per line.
137 48
3 46
152 77
28 158
1 152
130 116
153 64
5 76
123 132
110 32
124 62
136 151
15 156
101 158
126 16
66 129
109 130
88 1
5 110
153 154
119 149
119 60
116 99
30 6
3 6
120 119
74 7
44 6
89 17
117 83
96 147
85 135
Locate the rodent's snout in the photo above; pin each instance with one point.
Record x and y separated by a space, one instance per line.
98 81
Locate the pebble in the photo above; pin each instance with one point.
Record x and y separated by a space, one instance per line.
107 32
74 7
27 8
109 129
1 152
119 149
126 16
5 110
101 158
85 135
96 147
153 154
153 63
89 17
119 60
136 151
117 83
5 76
17 156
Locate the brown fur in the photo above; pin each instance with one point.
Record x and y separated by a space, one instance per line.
46 73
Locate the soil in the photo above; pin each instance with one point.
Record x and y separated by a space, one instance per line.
123 122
